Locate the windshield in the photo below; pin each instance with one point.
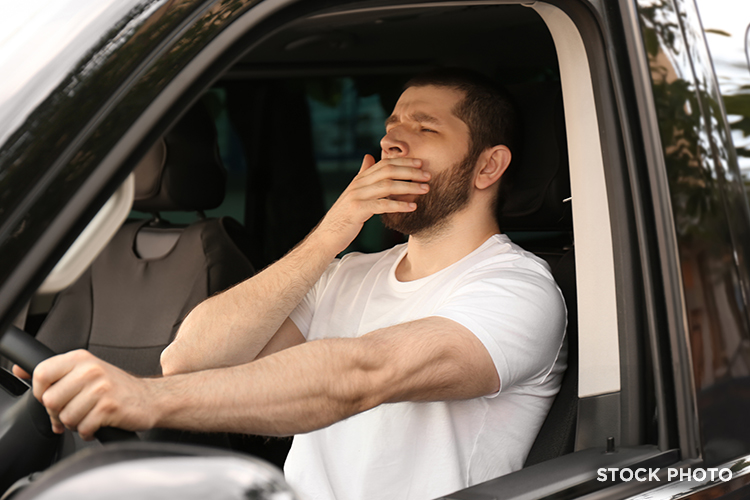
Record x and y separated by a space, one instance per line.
40 43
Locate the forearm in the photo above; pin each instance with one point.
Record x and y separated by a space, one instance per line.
233 327
294 391
316 384
302 388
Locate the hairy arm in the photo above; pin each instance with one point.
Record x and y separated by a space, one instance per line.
233 327
303 388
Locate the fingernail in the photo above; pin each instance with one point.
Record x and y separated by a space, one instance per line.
412 205
424 187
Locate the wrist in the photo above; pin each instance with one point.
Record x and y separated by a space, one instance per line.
162 405
325 242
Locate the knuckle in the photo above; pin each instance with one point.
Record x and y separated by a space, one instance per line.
41 375
51 403
102 387
79 354
93 370
108 406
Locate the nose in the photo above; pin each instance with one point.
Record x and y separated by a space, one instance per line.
393 144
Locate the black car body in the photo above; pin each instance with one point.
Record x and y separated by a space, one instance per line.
657 211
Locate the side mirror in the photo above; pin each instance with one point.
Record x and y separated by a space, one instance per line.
158 470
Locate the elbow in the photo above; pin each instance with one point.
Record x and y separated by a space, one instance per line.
175 358
366 382
170 361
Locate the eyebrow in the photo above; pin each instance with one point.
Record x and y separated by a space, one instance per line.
417 117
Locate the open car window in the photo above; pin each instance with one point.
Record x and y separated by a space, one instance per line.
299 93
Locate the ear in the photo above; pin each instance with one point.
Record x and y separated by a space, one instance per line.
493 162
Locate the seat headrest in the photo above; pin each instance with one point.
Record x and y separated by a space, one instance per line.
533 197
183 170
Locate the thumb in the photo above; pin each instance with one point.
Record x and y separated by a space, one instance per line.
20 373
367 162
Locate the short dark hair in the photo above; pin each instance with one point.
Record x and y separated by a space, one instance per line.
487 108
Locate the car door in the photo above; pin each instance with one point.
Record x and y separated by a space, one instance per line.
658 211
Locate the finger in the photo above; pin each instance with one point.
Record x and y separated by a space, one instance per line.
50 371
388 187
86 379
57 426
394 172
78 408
367 162
386 206
21 373
389 162
89 425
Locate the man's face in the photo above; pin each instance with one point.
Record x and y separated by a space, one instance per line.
423 126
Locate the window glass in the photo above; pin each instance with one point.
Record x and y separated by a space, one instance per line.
230 149
726 24
711 215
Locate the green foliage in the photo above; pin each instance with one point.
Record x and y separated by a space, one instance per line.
327 91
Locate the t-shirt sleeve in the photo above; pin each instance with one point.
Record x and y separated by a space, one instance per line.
518 314
302 314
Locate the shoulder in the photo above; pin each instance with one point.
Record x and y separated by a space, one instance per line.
501 278
508 298
500 258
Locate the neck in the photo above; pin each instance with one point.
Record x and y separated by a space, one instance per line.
432 251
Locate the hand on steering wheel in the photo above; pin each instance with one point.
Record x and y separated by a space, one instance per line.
27 352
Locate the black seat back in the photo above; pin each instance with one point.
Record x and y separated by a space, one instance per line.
557 435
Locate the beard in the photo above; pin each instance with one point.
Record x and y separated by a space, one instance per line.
449 193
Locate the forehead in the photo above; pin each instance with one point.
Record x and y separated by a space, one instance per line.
437 102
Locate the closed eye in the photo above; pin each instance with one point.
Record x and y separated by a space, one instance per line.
428 130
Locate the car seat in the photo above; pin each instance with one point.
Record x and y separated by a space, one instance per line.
534 207
126 308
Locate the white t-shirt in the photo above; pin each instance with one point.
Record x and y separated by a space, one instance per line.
421 450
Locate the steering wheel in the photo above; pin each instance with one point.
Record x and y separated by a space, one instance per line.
27 443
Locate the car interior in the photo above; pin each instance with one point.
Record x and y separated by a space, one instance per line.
254 162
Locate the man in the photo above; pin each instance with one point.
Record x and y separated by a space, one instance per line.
410 373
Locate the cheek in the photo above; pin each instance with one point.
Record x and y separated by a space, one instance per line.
445 155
